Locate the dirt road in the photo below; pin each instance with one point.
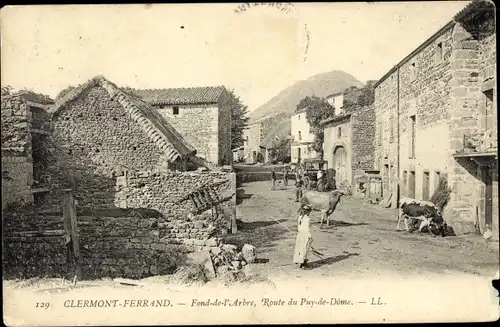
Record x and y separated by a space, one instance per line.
361 241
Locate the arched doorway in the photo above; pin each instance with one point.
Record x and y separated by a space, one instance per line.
339 164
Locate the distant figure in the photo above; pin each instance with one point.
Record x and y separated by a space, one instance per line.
320 174
298 188
273 179
285 176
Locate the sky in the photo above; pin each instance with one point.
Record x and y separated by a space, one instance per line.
257 52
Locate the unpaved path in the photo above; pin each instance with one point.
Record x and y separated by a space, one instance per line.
361 241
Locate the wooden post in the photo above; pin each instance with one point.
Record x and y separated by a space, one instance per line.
234 228
70 225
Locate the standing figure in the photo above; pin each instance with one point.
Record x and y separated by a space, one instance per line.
285 176
304 239
273 179
298 188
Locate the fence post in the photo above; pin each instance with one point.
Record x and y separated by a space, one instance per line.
234 228
70 225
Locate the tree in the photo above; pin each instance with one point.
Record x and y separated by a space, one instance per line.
317 110
281 151
239 119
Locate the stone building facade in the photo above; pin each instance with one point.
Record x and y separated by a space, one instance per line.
349 143
252 149
202 115
303 139
428 107
24 128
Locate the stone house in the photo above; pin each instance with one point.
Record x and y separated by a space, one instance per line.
436 114
348 142
202 115
24 129
336 101
301 147
100 131
252 149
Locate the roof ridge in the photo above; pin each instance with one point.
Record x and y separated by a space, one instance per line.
160 131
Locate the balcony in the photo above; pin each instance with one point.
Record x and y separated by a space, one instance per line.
480 147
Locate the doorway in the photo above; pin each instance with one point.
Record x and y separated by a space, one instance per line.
339 164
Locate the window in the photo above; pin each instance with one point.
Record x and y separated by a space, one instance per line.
300 136
425 186
489 118
437 176
339 132
413 72
412 136
439 52
175 110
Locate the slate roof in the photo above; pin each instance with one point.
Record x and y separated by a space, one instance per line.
164 135
191 95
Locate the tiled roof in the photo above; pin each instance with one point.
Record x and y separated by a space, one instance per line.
156 127
191 95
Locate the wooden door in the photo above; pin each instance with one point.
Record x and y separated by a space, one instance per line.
425 186
339 162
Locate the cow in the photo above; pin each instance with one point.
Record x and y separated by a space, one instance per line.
325 202
425 211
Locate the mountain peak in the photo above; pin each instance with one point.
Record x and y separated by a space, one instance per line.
320 85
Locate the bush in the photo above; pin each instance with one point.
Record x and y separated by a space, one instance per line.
442 194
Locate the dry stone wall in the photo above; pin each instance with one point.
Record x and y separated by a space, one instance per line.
363 139
17 163
125 243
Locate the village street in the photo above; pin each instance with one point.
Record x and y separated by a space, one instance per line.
361 241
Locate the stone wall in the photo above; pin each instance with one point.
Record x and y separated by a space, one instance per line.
386 146
363 138
473 59
113 243
179 196
424 93
199 125
17 163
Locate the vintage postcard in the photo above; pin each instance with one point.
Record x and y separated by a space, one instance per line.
253 163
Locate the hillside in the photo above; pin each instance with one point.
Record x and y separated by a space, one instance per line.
319 85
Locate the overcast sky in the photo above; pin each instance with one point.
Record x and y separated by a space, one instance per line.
257 52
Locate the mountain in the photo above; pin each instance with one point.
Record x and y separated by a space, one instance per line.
320 85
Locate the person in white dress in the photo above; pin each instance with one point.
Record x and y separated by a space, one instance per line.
304 240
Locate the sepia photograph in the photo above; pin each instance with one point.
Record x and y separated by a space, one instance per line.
249 163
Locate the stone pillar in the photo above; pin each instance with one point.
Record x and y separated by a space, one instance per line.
465 95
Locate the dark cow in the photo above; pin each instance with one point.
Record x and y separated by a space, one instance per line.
427 212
